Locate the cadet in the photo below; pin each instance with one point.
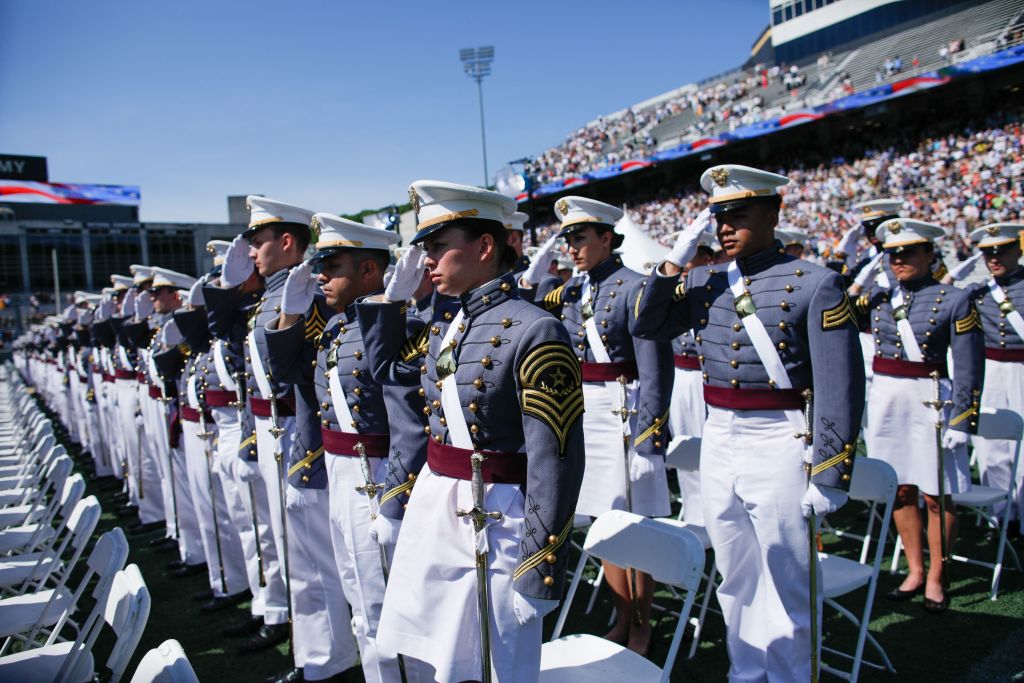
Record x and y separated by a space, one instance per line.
999 303
362 423
290 453
498 357
619 373
915 324
768 327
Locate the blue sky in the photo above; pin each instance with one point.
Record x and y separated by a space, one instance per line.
336 106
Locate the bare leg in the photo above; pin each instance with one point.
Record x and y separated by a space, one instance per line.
935 585
625 631
908 523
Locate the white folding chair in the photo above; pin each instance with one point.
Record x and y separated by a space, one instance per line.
125 609
671 554
874 482
27 538
31 469
20 574
683 454
995 423
38 507
22 617
165 664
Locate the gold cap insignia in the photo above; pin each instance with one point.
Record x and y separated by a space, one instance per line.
992 229
562 206
895 227
314 224
210 249
414 199
720 176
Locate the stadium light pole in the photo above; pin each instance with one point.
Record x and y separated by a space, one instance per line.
476 63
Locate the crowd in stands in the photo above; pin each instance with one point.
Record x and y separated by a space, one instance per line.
957 181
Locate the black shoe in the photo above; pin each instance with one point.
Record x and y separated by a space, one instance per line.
128 511
160 541
267 636
147 528
932 607
246 628
203 596
1013 530
189 570
293 675
896 595
175 565
226 602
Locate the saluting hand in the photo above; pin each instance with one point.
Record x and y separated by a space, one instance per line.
128 303
143 306
195 294
407 276
299 289
237 264
964 269
540 262
848 242
686 244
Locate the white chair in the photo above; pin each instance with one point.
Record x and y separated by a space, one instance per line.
993 423
125 609
874 482
27 538
165 664
22 617
36 506
31 469
21 573
672 555
683 454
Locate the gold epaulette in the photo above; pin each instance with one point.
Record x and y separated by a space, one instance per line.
553 299
680 292
968 322
315 324
185 349
416 345
862 303
554 542
838 316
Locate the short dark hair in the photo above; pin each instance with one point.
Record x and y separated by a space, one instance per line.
299 231
381 258
476 227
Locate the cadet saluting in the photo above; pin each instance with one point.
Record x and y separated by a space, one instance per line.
768 327
499 356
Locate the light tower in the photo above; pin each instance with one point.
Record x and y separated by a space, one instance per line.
476 62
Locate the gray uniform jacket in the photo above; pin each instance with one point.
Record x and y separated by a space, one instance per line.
520 389
999 333
808 317
943 318
611 284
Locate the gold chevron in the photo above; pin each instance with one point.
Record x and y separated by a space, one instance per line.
968 322
416 345
838 316
315 323
552 388
540 556
553 299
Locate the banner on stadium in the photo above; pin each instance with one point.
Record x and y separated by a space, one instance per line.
68 193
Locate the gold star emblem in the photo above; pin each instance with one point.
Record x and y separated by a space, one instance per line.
720 175
557 378
992 229
562 206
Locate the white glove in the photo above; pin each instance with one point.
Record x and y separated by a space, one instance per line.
407 277
848 242
172 335
389 272
128 303
528 608
85 317
105 309
143 306
237 264
299 289
195 294
641 467
70 313
384 530
297 498
139 422
540 262
868 271
686 244
952 439
248 471
821 500
965 268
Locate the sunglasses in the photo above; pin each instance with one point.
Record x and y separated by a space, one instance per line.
905 251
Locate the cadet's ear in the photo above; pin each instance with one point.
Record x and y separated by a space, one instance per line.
487 247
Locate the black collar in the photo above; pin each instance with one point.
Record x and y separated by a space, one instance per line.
605 268
755 263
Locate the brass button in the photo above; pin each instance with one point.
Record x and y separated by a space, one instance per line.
799 272
736 327
358 354
426 429
356 373
782 346
846 477
734 363
734 382
435 330
784 305
549 581
462 327
357 391
552 539
426 410
437 438
618 281
506 323
478 382
550 558
355 408
504 286
473 407
436 404
474 428
444 422
313 363
697 339
438 384
789 288
746 281
485 361
735 346
495 341
447 315
411 477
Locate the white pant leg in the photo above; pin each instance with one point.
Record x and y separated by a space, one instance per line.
269 502
686 416
190 544
324 643
230 436
752 481
151 506
157 437
128 435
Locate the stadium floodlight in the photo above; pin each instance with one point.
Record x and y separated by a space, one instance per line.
476 63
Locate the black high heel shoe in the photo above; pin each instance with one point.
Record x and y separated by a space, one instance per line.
933 607
896 595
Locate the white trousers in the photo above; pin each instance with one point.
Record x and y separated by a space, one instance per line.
221 546
1004 388
321 624
752 481
127 435
106 432
151 505
238 498
686 416
190 543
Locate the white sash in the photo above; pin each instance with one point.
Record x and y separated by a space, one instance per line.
258 372
341 409
882 279
457 428
193 396
763 345
600 351
905 330
123 355
222 367
1014 317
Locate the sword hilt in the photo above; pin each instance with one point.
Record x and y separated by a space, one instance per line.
370 488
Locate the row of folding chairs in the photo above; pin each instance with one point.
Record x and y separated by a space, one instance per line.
48 572
873 484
